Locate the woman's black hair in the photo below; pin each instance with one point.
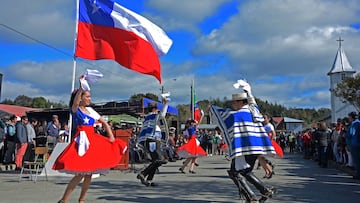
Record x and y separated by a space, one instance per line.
73 94
12 117
353 115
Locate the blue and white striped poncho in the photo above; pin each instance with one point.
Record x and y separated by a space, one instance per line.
242 135
148 127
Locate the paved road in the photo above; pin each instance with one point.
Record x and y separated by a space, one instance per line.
297 180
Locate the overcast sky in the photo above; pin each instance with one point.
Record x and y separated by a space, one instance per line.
283 48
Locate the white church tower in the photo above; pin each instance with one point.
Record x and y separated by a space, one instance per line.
340 70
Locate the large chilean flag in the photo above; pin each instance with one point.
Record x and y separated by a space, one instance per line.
107 30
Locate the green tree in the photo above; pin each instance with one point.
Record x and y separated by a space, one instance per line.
60 104
349 91
8 101
140 96
152 96
23 100
39 102
184 112
136 97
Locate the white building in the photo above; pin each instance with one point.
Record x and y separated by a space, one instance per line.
287 125
339 70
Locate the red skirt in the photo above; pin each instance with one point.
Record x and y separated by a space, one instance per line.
100 156
191 149
277 148
223 146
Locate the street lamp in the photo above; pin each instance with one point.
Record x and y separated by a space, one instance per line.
162 89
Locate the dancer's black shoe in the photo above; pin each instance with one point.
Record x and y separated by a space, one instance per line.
181 170
142 179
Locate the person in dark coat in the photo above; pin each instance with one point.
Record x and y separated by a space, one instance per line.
321 136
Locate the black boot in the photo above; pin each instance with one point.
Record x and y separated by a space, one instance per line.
266 192
234 179
244 188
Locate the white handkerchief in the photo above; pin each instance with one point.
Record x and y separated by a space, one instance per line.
152 146
84 84
166 96
83 143
240 83
92 75
236 85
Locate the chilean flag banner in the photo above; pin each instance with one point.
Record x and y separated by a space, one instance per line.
107 30
197 113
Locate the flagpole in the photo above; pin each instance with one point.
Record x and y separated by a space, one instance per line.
74 67
192 105
75 41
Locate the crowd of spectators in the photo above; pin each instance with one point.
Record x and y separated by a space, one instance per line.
20 135
337 143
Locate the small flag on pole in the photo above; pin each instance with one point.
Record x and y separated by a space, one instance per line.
195 110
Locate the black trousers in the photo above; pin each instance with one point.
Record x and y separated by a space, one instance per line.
29 153
9 156
157 159
251 178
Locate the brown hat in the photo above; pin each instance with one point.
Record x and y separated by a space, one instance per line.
239 96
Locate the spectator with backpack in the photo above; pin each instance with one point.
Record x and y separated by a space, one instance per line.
10 138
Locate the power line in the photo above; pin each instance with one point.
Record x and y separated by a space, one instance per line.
36 40
50 46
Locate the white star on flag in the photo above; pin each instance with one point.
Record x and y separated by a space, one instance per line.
95 7
86 120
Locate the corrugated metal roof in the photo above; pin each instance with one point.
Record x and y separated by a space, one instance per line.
16 110
277 119
207 126
292 120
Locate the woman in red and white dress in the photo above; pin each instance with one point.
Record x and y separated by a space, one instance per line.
267 165
88 152
192 149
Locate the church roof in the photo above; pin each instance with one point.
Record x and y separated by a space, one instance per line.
341 63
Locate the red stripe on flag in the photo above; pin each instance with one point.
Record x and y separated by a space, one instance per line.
197 114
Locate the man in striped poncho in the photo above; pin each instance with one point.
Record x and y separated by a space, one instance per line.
246 139
152 136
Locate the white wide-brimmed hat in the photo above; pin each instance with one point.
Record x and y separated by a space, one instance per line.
239 96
